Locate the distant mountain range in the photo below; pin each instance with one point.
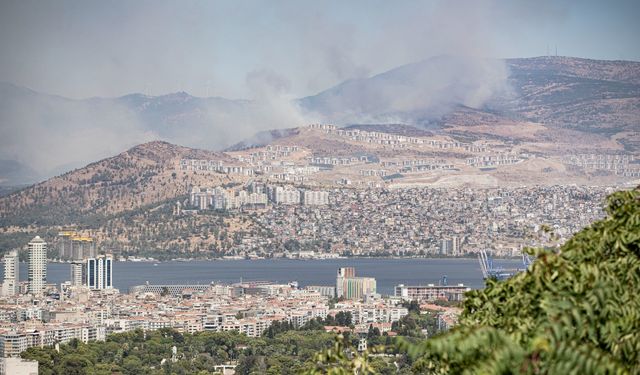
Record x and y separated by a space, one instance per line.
581 94
42 135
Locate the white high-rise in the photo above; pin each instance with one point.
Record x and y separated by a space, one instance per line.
11 274
37 266
77 269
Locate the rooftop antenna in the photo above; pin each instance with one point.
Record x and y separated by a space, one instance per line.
556 50
547 49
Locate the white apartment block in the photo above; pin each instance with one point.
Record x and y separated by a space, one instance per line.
285 195
11 274
37 266
315 198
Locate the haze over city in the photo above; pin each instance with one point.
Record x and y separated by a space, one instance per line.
90 49
335 187
269 54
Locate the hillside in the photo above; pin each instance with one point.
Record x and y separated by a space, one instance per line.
601 70
593 96
137 202
149 174
73 132
544 123
590 96
597 98
141 176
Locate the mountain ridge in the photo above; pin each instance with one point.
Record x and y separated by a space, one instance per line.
144 174
584 95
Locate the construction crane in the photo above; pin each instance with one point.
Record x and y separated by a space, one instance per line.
489 271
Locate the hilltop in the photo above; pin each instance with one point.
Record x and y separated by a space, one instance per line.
595 98
550 89
592 96
471 148
141 176
125 202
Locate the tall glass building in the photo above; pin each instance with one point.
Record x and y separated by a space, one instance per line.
100 272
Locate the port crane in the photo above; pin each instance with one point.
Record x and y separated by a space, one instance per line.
489 270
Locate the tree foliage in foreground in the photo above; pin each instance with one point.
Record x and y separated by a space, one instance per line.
150 353
575 311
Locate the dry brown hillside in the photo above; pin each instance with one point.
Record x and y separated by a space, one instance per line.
144 175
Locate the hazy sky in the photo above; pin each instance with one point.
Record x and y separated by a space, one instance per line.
109 48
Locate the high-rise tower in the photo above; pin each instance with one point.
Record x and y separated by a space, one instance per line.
37 266
11 274
75 247
77 273
100 272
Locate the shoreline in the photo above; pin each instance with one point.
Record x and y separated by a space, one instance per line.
187 260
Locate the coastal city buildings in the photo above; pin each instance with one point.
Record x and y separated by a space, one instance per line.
11 274
37 266
426 222
405 222
168 289
254 196
324 290
369 222
12 344
431 292
247 307
86 267
92 309
76 248
450 247
350 287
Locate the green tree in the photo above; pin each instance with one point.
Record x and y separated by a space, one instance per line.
576 310
412 306
46 357
73 364
344 318
132 365
340 359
